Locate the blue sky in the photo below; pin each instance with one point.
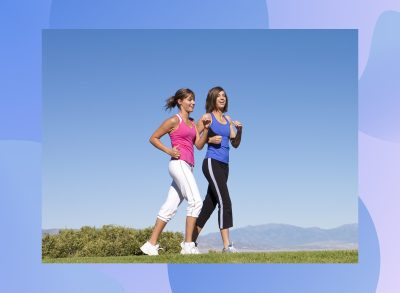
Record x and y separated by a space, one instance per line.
295 91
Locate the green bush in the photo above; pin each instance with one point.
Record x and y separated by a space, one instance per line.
109 240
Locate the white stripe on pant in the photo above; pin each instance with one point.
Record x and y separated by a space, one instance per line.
182 187
221 215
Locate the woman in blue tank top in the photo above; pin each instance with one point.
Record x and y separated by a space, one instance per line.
216 164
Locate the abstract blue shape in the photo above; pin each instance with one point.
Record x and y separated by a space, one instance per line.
361 277
185 14
139 277
20 74
379 86
21 270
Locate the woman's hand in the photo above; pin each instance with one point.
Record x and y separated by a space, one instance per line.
174 152
238 125
215 139
235 137
206 120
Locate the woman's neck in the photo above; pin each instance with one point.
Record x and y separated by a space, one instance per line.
218 113
184 115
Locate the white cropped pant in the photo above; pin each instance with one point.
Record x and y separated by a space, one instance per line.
182 187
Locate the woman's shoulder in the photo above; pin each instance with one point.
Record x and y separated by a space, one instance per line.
228 118
174 120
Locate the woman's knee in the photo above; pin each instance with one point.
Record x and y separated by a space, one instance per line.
226 205
167 214
194 208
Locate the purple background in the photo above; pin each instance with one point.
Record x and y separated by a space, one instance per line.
20 144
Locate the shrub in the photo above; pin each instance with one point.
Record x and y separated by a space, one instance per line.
109 240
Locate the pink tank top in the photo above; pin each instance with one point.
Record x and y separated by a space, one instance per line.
184 137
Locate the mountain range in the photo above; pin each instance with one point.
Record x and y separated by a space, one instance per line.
278 237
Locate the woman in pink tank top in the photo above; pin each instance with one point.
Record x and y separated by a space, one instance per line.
184 135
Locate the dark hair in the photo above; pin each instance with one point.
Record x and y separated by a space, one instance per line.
180 94
212 99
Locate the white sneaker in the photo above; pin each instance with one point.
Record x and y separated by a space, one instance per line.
195 249
189 248
150 249
229 249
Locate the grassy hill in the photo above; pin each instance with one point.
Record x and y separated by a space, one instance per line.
339 256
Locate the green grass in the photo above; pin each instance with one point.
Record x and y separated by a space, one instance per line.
337 256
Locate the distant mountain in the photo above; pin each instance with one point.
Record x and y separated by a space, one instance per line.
54 231
271 237
50 231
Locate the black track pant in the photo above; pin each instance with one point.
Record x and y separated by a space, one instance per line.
216 173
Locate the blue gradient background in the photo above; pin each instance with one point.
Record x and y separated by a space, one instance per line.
295 92
20 145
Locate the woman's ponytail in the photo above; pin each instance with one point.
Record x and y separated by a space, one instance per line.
170 103
180 94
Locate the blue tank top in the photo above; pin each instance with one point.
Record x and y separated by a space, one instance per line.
219 152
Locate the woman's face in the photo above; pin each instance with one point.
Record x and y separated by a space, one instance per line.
187 104
220 101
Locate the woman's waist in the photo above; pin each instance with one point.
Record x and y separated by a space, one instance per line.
187 160
219 152
183 147
218 147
